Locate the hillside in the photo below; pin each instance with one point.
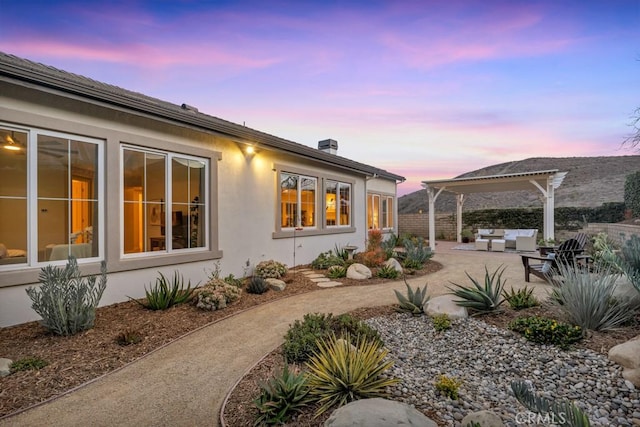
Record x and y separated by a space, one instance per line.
590 182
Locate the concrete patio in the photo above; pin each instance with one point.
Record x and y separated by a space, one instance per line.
185 383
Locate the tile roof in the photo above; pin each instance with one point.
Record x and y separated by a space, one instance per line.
19 69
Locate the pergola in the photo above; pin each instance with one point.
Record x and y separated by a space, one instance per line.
544 182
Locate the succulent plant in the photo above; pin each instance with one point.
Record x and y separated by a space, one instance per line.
257 285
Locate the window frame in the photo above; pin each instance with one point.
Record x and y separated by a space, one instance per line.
321 228
384 213
338 203
33 198
169 156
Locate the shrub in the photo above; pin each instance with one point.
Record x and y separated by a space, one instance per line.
336 272
257 285
163 294
543 330
270 269
374 241
300 341
417 253
283 395
414 301
587 299
632 193
28 363
448 386
441 322
482 299
340 373
630 261
66 301
373 259
522 298
603 253
388 272
563 409
128 337
326 260
216 294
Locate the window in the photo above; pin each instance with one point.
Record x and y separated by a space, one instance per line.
297 200
337 204
164 203
379 211
51 207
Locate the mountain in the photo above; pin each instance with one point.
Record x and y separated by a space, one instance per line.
590 182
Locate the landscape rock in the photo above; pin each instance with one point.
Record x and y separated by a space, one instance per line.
276 284
484 418
358 272
392 262
377 412
627 355
5 367
444 304
625 290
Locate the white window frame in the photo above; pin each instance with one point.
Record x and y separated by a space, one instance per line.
32 194
168 201
298 216
338 202
383 211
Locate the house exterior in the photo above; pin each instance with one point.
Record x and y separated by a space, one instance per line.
105 174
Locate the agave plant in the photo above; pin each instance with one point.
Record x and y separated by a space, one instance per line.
565 413
483 298
280 397
340 372
165 294
414 301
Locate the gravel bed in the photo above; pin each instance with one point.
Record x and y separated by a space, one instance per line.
486 359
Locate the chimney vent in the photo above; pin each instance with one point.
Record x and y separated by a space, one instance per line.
328 146
189 108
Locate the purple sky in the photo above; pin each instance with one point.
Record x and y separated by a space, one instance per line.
424 89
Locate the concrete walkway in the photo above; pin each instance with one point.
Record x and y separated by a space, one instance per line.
185 383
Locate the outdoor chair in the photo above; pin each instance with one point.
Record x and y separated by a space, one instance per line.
546 268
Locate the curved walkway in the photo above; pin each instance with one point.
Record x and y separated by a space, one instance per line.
185 383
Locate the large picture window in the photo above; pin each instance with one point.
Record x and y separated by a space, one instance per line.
297 200
379 211
337 204
164 201
58 177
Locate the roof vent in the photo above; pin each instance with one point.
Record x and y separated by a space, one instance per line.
328 146
189 108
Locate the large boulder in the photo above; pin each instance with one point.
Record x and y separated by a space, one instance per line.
483 418
627 355
276 284
358 272
444 305
392 262
377 412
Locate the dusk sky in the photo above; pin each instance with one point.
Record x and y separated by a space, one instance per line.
424 89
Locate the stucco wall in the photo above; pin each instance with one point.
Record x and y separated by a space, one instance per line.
243 208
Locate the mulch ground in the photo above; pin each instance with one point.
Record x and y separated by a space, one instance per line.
74 360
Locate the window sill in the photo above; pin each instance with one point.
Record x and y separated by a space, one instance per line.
286 234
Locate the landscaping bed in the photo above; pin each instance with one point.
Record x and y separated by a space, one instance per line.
74 360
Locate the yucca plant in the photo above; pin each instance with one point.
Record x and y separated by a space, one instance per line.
588 299
257 285
340 373
414 301
280 397
564 412
165 294
483 298
66 301
520 299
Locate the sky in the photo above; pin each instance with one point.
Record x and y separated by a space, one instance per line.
424 89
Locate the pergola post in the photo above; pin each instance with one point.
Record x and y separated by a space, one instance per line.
549 208
459 203
432 219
